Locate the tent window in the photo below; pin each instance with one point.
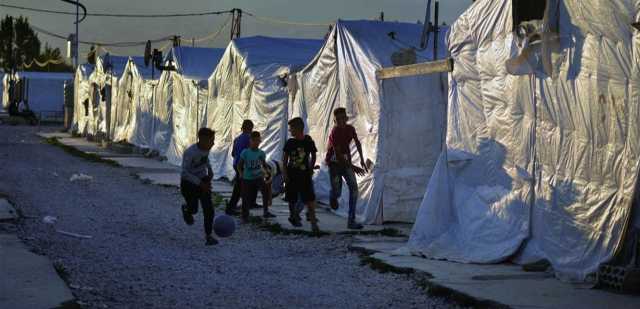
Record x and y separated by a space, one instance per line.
526 10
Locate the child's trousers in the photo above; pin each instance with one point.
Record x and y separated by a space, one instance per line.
192 195
250 189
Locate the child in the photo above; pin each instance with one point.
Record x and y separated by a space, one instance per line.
298 162
195 182
250 168
239 144
339 161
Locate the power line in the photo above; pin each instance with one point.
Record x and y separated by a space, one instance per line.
285 22
114 44
116 15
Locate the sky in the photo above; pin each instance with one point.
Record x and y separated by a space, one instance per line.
106 29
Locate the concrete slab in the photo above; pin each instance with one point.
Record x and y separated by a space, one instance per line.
507 284
28 280
144 163
165 179
53 134
7 212
327 221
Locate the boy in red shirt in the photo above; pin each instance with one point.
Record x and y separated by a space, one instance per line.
340 165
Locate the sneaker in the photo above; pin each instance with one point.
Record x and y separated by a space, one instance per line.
295 222
210 241
334 204
315 229
186 215
354 226
268 215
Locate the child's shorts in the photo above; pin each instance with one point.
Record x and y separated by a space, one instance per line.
300 186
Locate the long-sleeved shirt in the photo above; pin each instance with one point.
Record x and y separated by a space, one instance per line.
195 165
239 144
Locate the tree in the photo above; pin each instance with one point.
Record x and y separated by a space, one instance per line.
6 44
27 44
20 46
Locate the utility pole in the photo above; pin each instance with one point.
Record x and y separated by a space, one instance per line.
236 23
78 21
426 29
435 31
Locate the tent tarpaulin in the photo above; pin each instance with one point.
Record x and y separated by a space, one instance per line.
131 111
399 121
183 99
542 147
45 92
251 83
81 97
103 89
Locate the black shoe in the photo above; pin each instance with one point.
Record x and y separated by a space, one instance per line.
354 226
268 215
186 215
295 222
210 241
315 229
309 219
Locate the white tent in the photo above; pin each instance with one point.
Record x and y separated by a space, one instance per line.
399 121
5 90
104 89
180 99
2 90
542 149
131 111
81 96
45 92
250 83
146 80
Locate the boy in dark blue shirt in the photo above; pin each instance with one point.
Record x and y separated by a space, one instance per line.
239 144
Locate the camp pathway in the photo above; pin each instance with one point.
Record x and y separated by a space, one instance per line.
125 244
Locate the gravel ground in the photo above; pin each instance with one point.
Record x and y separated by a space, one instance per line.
141 254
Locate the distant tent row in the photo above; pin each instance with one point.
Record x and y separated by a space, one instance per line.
44 91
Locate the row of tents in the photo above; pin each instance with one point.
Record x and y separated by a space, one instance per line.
270 80
529 149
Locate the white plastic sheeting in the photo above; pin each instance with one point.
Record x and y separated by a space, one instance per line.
5 90
400 122
183 99
45 91
5 95
81 94
542 164
104 90
250 83
132 110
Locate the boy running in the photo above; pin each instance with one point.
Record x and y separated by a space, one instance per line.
298 162
340 165
195 182
239 144
250 169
